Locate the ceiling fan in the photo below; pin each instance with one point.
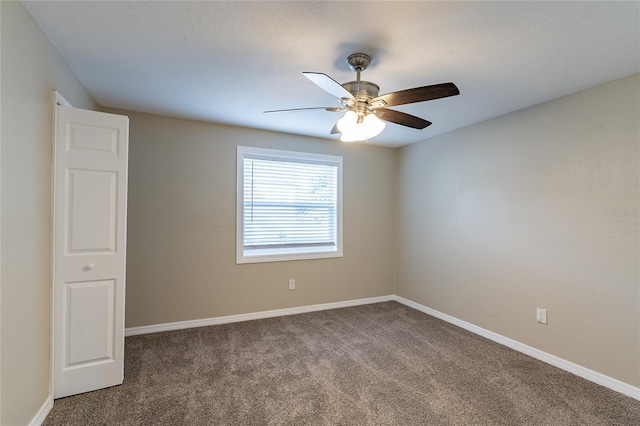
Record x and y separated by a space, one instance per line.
366 111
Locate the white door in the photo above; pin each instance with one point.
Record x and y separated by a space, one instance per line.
89 241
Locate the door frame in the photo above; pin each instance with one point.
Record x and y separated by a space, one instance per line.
58 100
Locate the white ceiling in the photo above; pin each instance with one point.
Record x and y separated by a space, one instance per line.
227 62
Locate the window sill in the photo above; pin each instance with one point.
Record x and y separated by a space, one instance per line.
277 255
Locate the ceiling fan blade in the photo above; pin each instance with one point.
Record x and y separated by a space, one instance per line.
330 109
401 118
418 94
329 85
335 129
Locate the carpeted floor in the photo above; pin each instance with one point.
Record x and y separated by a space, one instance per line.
382 364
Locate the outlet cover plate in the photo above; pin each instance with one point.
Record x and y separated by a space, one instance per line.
541 315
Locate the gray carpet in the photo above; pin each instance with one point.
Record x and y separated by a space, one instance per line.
382 364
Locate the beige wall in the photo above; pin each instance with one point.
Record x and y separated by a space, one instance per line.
181 225
500 217
31 69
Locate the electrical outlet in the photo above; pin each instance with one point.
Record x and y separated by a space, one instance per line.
292 284
541 315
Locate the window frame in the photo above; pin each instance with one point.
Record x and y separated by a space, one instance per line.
288 253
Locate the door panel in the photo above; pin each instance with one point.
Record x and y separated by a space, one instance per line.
92 138
89 235
91 213
90 322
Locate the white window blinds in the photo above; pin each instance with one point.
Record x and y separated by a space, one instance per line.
290 204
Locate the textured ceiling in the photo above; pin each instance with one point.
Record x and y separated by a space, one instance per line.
227 62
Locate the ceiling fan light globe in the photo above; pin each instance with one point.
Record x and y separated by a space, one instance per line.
348 123
355 136
373 125
355 130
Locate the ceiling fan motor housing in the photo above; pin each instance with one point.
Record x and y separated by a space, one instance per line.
362 89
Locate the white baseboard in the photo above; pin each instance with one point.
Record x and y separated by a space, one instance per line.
132 331
42 413
578 370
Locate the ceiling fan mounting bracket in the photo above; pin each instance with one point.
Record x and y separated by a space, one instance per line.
358 61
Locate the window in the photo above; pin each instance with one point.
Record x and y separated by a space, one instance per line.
289 205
